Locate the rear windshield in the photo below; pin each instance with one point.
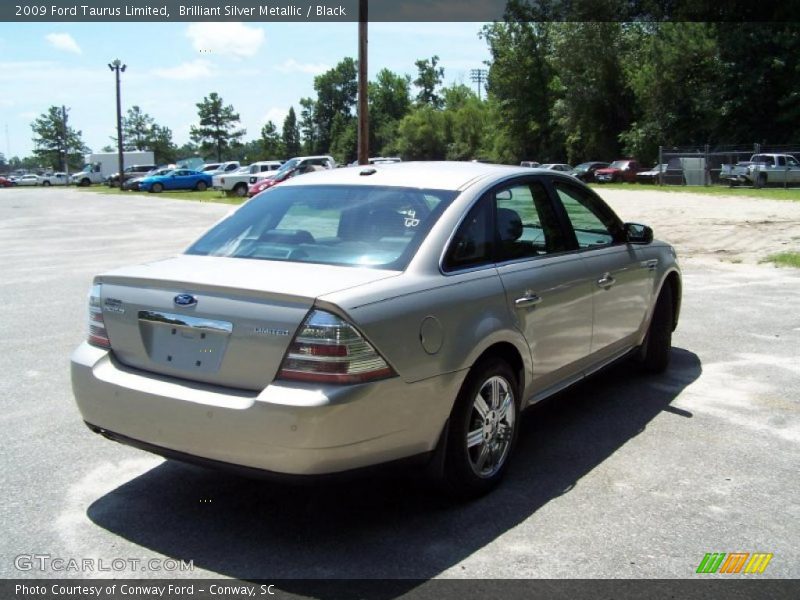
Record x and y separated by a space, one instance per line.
379 227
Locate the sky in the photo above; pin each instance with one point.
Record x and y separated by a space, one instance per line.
260 68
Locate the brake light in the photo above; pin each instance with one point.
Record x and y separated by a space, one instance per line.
328 349
97 327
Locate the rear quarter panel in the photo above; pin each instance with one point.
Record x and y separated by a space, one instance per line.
428 325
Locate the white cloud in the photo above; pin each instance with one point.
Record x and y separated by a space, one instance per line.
188 70
231 39
63 41
292 66
276 115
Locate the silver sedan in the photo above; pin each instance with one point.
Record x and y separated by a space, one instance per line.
355 317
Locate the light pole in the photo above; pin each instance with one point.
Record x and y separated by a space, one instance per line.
478 76
363 114
118 67
66 141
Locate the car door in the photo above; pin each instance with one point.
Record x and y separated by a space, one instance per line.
180 180
793 170
620 274
545 280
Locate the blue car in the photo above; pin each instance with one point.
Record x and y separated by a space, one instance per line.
178 179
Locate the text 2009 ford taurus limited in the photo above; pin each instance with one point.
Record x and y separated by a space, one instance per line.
363 315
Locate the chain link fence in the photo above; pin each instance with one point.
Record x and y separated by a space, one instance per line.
701 165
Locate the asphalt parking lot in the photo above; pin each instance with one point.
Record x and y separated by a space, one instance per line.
625 476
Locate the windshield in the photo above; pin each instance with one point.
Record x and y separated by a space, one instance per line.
334 224
288 166
618 164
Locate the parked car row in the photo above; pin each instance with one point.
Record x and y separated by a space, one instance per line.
619 171
31 179
291 168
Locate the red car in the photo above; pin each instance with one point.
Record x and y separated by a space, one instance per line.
263 184
285 172
5 182
620 170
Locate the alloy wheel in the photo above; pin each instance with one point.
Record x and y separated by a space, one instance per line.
491 426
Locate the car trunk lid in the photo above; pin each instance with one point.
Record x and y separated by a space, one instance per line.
224 321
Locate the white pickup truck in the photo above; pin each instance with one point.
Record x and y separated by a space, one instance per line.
236 183
763 169
57 178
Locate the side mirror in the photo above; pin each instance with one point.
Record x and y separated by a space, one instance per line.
638 234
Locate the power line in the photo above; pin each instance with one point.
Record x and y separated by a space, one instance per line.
478 76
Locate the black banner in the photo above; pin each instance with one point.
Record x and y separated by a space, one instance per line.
738 588
397 10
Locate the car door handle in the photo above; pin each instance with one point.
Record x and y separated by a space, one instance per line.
606 281
528 300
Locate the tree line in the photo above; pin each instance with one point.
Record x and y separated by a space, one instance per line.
555 92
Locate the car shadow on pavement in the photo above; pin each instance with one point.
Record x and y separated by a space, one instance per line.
389 527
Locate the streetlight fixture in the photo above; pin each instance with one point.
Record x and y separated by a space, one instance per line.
118 68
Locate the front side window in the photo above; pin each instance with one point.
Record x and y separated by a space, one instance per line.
359 225
593 226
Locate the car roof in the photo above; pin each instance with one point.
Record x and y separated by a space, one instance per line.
438 175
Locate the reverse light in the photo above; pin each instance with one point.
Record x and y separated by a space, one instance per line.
328 349
97 327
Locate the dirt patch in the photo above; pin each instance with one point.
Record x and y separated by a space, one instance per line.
712 228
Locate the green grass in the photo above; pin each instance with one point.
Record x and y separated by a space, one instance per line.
770 193
784 259
206 196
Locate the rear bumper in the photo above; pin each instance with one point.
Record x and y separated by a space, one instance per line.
288 428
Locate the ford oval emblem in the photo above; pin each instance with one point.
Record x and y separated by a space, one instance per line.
185 300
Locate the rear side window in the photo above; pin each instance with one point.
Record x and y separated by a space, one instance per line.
526 223
378 227
473 242
510 223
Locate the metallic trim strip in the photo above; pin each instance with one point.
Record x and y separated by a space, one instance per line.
186 321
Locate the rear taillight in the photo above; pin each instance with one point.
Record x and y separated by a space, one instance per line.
97 327
327 349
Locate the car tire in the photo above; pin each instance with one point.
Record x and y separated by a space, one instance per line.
85 182
761 180
240 190
45 183
482 430
201 186
656 349
157 188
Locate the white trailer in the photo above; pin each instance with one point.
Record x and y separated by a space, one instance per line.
100 166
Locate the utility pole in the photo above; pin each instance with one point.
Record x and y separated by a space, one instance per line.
118 67
478 76
66 140
363 110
